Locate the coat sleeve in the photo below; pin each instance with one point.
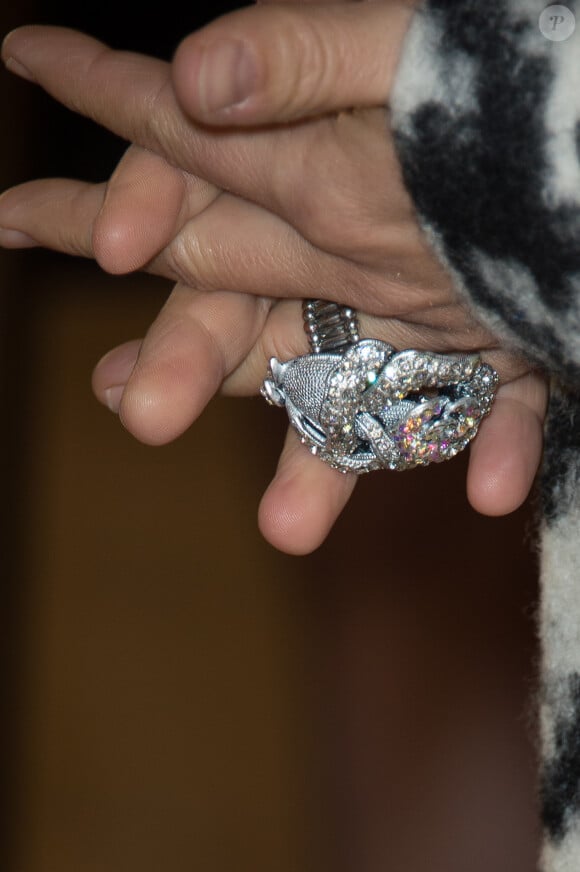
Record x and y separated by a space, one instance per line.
486 118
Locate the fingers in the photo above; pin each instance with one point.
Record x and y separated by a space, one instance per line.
123 225
506 453
130 94
236 245
303 501
305 497
54 213
141 211
228 245
160 386
156 388
113 371
269 64
322 177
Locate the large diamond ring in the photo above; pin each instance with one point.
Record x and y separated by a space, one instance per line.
361 405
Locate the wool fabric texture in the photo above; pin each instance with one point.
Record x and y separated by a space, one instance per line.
486 117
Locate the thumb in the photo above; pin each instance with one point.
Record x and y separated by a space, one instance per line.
274 63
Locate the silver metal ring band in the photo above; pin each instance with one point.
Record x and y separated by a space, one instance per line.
329 327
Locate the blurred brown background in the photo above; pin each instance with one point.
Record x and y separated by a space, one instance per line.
177 695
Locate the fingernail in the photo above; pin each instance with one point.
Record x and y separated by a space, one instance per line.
18 69
16 239
227 75
113 397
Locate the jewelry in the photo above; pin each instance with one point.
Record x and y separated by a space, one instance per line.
361 405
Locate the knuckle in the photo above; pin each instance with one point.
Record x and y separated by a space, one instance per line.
193 264
302 63
154 120
182 258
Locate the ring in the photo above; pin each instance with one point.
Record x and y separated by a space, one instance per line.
359 404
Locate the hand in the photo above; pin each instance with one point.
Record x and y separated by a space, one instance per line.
323 213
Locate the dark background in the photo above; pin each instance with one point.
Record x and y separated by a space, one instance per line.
177 694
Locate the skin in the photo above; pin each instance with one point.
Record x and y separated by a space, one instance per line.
287 192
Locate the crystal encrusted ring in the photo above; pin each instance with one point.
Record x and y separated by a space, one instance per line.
361 405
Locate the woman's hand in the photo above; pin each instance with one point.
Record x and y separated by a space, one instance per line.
309 208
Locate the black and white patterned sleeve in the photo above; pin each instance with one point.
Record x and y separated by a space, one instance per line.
486 117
